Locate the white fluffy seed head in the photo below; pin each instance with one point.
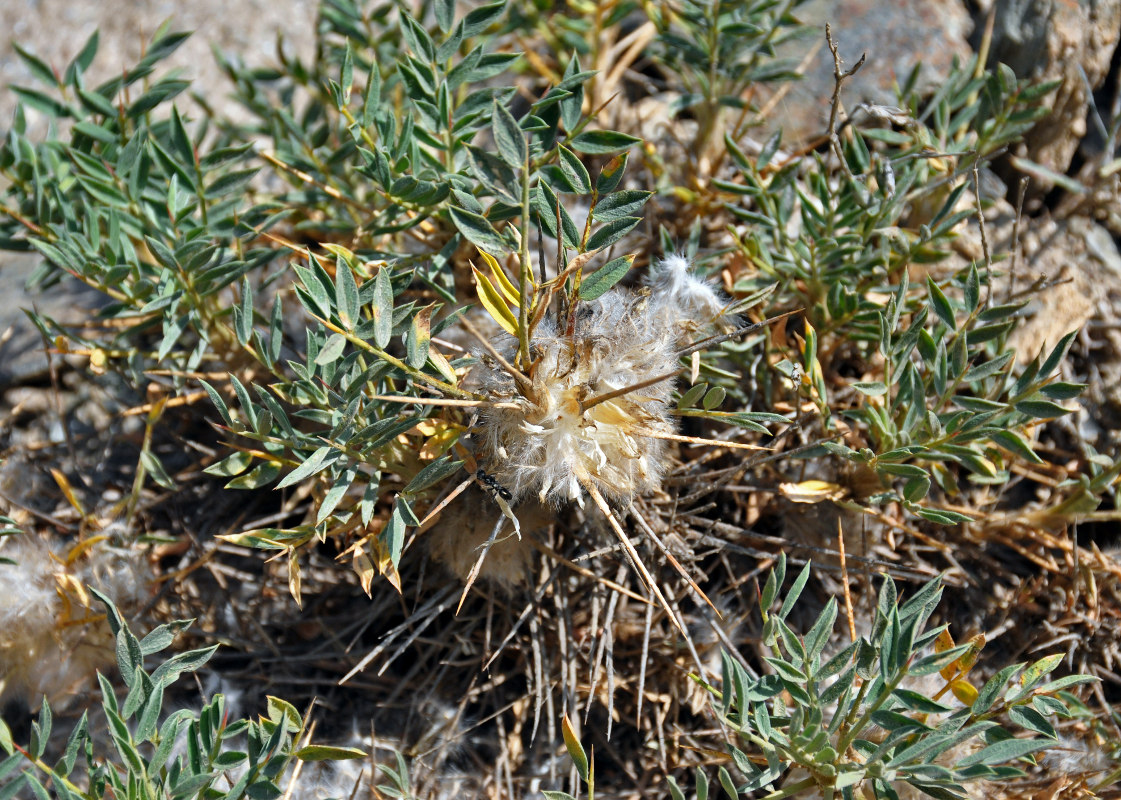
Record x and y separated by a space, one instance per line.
28 612
554 439
42 651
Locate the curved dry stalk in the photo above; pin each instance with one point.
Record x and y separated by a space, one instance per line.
634 387
544 549
440 401
474 573
647 626
435 605
632 554
845 581
712 341
676 437
532 605
432 516
299 763
646 527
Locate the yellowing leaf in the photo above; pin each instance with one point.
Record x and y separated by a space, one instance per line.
75 552
494 304
279 709
439 435
364 567
68 491
811 491
965 661
339 251
322 752
501 281
575 749
254 538
976 645
69 586
384 563
156 411
613 166
987 466
943 643
294 582
964 691
442 366
1041 668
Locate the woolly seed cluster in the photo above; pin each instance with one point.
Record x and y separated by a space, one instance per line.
550 437
43 649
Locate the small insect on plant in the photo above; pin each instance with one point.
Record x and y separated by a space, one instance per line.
492 483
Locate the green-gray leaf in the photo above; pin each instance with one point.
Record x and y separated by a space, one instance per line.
600 143
383 308
605 277
477 229
574 171
319 460
509 138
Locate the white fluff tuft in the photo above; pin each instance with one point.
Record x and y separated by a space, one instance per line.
682 302
1072 756
46 646
28 611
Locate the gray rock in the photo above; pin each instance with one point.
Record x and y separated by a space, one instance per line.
894 36
23 355
55 31
1049 40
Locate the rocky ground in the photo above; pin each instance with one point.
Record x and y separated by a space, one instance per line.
1073 201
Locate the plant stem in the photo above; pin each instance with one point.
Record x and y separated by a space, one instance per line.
889 687
792 789
413 373
524 277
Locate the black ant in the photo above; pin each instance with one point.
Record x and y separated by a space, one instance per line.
493 484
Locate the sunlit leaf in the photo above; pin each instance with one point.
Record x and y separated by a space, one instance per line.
494 303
